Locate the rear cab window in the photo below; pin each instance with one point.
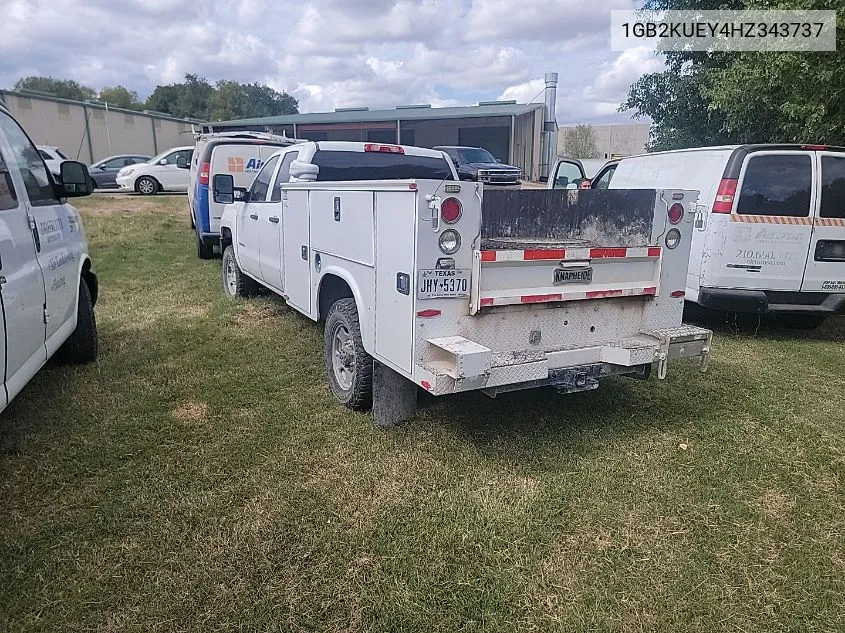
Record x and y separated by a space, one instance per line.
777 184
343 165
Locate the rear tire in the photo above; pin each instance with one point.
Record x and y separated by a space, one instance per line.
349 368
82 345
146 186
235 283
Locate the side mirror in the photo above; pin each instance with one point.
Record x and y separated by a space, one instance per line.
163 161
499 160
76 181
304 171
223 189
182 163
241 194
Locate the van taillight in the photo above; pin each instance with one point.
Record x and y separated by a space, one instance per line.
450 210
203 177
814 147
388 149
725 196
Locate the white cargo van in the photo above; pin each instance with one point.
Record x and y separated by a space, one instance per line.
241 154
769 226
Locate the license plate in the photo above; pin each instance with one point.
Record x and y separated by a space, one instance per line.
573 276
436 284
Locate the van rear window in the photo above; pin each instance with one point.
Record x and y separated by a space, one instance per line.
336 165
833 187
777 185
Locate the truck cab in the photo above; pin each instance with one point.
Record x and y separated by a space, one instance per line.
48 288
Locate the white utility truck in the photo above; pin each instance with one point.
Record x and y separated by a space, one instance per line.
770 225
451 287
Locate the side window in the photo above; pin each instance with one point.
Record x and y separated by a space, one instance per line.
283 175
115 163
8 196
567 174
45 155
603 181
173 157
26 159
261 184
833 187
777 185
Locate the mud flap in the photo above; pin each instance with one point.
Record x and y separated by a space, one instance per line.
394 397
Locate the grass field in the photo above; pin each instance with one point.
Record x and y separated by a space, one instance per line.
200 477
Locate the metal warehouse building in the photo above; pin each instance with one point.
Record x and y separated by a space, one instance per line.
510 131
89 131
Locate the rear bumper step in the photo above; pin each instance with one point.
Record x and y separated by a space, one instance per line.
459 364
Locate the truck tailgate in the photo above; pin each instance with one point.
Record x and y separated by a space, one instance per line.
540 246
523 276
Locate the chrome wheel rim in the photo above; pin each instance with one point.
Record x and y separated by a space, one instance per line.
146 186
343 357
231 277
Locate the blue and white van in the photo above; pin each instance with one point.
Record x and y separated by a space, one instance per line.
240 154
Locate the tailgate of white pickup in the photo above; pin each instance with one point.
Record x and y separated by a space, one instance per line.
528 276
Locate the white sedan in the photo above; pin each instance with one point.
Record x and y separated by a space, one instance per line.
159 174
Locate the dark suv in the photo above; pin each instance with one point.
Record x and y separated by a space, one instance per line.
476 163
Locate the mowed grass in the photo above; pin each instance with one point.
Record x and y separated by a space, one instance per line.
201 477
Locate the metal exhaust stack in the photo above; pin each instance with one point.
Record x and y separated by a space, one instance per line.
549 143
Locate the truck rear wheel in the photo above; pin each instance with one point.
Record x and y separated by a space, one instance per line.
235 283
82 345
349 368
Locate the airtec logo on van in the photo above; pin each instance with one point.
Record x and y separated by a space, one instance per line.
236 165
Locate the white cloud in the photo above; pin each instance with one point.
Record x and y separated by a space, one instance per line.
333 53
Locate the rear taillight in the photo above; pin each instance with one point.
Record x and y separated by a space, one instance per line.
725 196
676 213
204 169
451 210
814 147
388 149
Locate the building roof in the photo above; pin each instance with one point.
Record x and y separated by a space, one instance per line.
405 113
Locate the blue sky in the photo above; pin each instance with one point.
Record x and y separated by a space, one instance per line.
335 53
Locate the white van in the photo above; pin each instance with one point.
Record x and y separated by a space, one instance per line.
241 154
48 287
770 224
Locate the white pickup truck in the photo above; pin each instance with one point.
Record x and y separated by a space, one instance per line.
449 287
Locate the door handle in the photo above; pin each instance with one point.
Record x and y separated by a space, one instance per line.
34 228
253 216
273 219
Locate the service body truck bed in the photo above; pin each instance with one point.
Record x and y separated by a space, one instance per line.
454 288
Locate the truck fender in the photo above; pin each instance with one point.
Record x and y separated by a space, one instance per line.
84 272
364 310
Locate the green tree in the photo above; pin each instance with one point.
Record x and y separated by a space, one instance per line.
711 98
63 88
580 142
186 99
120 97
226 102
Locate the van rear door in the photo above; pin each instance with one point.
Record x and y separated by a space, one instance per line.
243 161
763 245
825 270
